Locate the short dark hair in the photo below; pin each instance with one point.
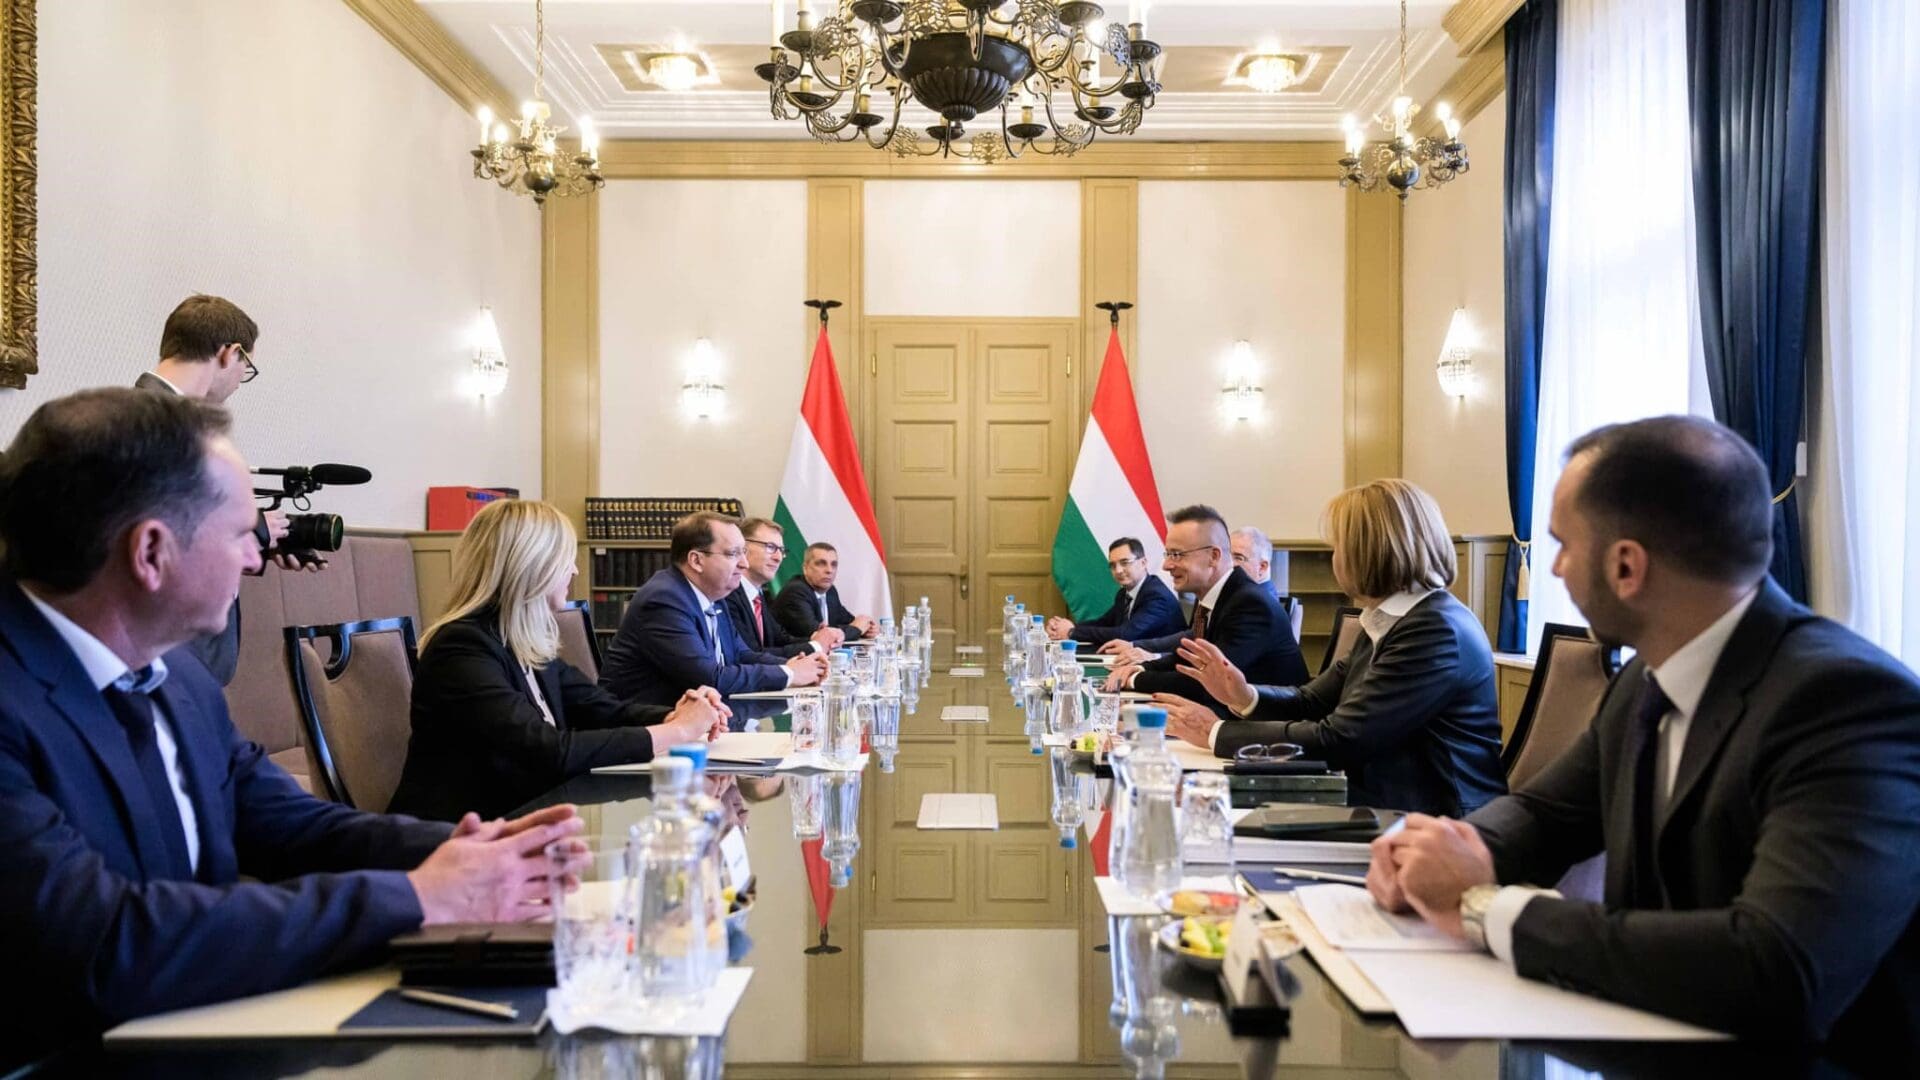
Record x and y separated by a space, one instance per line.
693 532
1134 547
755 524
1197 512
203 325
87 467
818 545
1687 489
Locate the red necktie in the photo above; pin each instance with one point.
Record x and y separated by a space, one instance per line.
760 617
1200 622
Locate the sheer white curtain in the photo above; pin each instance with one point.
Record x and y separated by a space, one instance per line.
1864 506
1621 333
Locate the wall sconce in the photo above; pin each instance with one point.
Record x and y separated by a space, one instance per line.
1241 396
703 394
489 358
1455 366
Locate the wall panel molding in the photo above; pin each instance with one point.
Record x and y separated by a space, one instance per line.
635 159
836 270
1109 270
412 31
570 354
1470 23
1372 394
1477 82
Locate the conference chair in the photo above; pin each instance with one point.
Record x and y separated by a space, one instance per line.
579 645
1569 679
355 705
1346 631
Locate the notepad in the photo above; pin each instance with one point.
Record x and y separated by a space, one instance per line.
958 811
734 751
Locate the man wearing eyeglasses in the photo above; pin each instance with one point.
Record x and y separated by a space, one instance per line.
1240 617
1253 552
676 634
206 353
751 607
1143 608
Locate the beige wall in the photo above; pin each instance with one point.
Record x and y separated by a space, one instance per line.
1454 258
1259 260
686 259
286 156
991 248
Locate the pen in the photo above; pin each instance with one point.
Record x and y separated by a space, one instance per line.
1317 875
468 1005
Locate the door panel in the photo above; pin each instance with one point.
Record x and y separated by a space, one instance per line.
1024 418
923 437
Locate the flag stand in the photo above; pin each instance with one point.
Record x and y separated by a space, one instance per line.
1113 308
824 306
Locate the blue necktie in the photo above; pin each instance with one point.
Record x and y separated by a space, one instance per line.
713 629
135 711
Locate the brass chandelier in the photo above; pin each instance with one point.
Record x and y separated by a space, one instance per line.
531 162
963 59
1403 160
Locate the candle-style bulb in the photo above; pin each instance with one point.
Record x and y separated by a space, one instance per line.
486 122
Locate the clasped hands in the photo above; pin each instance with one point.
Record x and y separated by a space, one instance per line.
699 716
493 871
1426 866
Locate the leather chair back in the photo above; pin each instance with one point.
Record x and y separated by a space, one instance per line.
355 705
579 645
1346 632
1569 680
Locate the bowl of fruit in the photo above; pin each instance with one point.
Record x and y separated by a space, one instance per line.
1185 902
1200 940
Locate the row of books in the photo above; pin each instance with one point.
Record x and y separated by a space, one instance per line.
607 608
626 568
648 519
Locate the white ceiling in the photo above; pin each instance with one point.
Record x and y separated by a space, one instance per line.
1202 37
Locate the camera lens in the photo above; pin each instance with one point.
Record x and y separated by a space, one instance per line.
314 532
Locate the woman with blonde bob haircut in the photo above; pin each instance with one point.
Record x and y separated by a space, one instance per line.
498 717
1411 713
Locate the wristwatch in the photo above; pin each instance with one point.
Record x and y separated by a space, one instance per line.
1473 913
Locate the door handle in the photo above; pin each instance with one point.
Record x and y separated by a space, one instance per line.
964 582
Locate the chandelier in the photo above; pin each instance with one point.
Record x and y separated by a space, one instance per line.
963 59
1402 160
532 163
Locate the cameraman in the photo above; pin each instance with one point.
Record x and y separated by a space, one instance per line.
206 353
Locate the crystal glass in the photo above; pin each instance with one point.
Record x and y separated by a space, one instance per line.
1106 712
592 898
805 709
806 794
1206 832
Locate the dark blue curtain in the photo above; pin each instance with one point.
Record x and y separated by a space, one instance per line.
1531 55
1757 87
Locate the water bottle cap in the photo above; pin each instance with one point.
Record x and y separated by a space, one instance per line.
845 654
1151 718
1066 842
1039 620
1019 607
1038 749
672 773
693 752
1070 646
1009 598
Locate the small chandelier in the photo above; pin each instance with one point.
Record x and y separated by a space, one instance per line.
962 59
532 163
1405 162
1455 366
1270 72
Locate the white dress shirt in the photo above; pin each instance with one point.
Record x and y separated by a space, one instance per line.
105 668
540 699
1683 678
1206 604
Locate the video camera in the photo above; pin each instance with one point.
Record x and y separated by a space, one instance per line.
307 533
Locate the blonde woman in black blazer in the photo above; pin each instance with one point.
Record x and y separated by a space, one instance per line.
498 717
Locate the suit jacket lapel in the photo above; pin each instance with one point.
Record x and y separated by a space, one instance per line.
549 677
1741 664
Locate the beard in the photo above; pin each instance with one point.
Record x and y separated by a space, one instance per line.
1610 622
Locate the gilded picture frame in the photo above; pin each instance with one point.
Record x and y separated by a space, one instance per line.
19 268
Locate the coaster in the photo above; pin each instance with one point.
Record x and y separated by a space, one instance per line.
966 714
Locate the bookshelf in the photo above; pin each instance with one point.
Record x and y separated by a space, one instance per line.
1304 569
615 570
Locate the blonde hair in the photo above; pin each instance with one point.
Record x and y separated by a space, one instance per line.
1391 538
509 557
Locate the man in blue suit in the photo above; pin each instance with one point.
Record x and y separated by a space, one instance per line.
1143 608
676 633
129 806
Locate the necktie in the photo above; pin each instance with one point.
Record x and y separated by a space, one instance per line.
760 617
1126 599
825 619
1653 704
134 710
1200 621
713 631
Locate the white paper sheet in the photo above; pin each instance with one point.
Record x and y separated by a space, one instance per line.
1332 962
312 1011
1351 920
708 1017
959 811
729 752
1447 995
813 761
967 672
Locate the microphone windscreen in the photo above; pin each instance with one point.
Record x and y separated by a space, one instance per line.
340 474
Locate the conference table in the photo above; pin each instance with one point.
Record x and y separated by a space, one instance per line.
979 953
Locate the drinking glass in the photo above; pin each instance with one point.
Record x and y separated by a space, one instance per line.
805 710
591 892
1206 832
1106 712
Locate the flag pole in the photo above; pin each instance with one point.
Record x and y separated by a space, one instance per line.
1113 308
824 306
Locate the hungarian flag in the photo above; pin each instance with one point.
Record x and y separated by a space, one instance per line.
823 496
1112 494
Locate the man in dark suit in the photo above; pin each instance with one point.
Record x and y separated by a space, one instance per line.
1242 618
811 601
751 605
206 353
130 808
1143 608
676 634
1253 552
1753 776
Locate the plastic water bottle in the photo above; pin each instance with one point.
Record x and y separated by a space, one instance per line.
710 813
842 719
884 734
926 641
1006 620
885 643
667 845
1069 715
1068 811
1017 653
1037 666
1149 860
842 827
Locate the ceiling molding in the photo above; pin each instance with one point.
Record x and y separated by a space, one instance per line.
433 50
1472 22
648 159
1481 79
